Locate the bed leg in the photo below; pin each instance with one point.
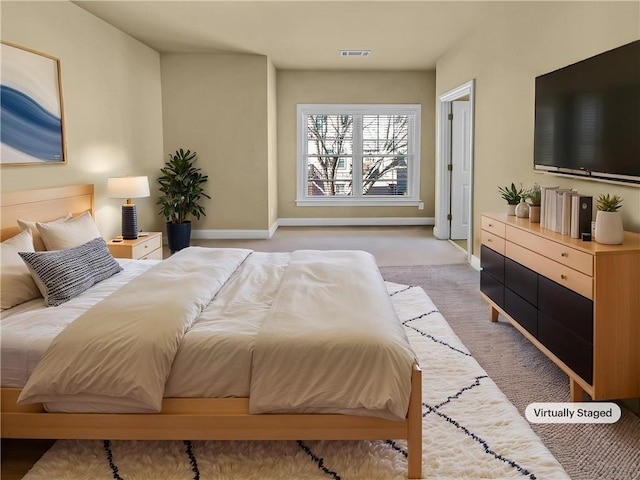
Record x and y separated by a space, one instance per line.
414 427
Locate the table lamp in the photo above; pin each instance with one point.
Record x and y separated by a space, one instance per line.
128 187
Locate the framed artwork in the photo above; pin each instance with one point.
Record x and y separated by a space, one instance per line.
31 108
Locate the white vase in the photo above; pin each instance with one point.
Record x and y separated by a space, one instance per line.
511 209
609 229
522 210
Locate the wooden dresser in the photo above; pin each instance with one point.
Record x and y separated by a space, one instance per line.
578 302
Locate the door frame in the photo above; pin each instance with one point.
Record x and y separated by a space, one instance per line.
441 229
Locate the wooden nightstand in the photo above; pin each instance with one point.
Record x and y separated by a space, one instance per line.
143 248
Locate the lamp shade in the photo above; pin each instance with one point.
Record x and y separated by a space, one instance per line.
128 187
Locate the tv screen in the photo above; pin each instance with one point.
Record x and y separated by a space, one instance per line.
587 117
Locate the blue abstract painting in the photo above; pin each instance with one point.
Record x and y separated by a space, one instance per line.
31 117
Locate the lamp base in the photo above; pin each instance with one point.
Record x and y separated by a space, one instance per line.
129 222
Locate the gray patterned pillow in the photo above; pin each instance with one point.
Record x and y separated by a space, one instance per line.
64 274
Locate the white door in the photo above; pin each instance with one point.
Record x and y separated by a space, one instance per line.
461 170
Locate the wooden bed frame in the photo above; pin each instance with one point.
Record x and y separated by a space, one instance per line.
184 418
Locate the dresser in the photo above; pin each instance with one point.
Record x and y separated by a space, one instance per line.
142 248
578 302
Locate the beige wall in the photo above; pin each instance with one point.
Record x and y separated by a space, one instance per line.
217 105
331 87
112 105
505 55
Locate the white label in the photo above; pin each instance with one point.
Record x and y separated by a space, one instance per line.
574 412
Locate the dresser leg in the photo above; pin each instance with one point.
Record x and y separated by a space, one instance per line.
494 314
575 391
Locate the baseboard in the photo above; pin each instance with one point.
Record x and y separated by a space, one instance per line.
249 234
355 222
246 234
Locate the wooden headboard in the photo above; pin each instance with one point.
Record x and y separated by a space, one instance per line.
43 205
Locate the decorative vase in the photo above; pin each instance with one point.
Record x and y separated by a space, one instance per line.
609 229
522 209
511 209
534 213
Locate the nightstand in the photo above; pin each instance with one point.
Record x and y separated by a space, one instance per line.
142 248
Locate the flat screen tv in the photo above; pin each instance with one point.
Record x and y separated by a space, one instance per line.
587 117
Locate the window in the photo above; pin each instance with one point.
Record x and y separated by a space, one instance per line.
358 155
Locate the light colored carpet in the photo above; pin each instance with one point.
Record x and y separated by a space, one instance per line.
470 431
586 451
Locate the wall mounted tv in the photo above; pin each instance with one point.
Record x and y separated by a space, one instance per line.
588 117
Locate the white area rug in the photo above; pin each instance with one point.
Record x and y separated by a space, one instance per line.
470 431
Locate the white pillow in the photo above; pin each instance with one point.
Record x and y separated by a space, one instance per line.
70 233
16 283
37 239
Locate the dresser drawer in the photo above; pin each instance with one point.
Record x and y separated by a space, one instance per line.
566 307
521 311
581 261
143 249
492 288
559 273
521 280
570 348
493 226
154 255
492 241
492 263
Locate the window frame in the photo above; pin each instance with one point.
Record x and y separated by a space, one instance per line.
411 199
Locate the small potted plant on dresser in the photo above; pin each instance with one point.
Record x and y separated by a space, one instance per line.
512 196
181 185
534 196
609 229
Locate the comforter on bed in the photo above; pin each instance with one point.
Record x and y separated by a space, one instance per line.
329 341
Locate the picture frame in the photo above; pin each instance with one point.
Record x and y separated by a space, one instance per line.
31 108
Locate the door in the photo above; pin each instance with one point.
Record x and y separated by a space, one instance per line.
461 170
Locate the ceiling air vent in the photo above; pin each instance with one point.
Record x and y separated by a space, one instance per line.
355 53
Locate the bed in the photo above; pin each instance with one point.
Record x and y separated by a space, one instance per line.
196 417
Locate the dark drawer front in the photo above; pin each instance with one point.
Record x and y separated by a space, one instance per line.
521 311
566 307
492 263
492 288
521 280
569 347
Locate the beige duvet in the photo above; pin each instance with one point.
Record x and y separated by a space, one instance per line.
328 340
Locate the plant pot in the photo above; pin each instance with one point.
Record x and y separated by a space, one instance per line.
609 229
511 209
534 213
522 210
178 236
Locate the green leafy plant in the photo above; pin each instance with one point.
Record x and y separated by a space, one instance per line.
511 195
181 184
607 203
534 195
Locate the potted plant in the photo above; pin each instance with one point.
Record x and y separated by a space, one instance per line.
609 229
512 196
181 185
534 196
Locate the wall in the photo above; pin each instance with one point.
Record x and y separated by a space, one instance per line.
504 55
112 105
217 105
331 87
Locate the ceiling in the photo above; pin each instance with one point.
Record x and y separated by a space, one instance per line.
303 34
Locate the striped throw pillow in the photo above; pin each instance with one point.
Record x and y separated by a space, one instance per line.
64 274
